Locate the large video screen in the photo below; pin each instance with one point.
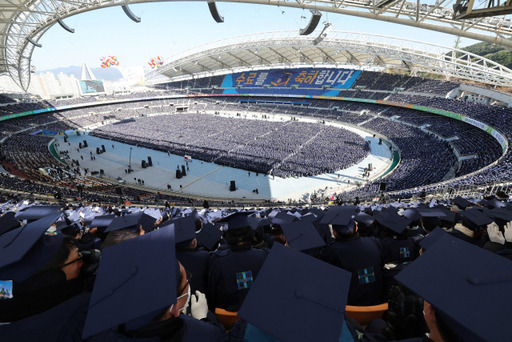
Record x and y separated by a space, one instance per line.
91 87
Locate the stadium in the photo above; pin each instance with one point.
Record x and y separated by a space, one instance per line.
345 146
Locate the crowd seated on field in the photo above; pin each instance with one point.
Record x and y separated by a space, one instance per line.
107 273
282 148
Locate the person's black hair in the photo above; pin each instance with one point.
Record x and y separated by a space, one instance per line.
430 223
446 333
117 236
198 224
179 277
347 235
60 257
239 237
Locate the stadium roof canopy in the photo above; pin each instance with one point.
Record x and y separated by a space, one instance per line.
340 49
23 22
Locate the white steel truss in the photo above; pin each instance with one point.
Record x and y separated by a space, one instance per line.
352 49
21 20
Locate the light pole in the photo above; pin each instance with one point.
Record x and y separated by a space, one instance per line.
130 161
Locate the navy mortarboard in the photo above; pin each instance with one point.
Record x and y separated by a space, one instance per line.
121 293
25 250
237 220
431 212
36 212
334 211
8 222
317 211
461 203
432 238
431 217
344 222
392 221
184 230
132 222
254 221
71 229
500 215
493 202
302 235
450 218
364 219
469 288
308 218
264 222
412 214
208 236
154 213
102 222
475 219
288 286
282 218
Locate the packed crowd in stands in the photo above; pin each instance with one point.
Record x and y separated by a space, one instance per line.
103 273
5 99
418 164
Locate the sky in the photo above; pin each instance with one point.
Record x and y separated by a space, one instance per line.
167 28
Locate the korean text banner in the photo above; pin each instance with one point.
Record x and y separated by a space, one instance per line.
301 78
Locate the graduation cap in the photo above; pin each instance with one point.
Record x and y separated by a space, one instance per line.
264 222
392 221
154 213
184 229
283 219
468 286
294 212
482 203
317 211
368 210
431 212
75 216
132 222
412 214
494 203
102 221
302 235
500 215
475 219
288 285
237 220
8 222
254 221
24 250
36 212
272 212
195 215
364 219
135 279
431 217
208 236
462 203
432 237
340 210
389 210
214 215
308 218
344 223
69 228
451 217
